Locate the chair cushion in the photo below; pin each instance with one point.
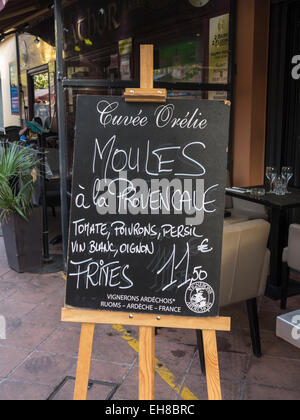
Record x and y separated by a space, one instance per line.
245 260
234 220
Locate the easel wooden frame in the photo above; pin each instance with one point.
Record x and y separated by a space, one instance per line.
146 322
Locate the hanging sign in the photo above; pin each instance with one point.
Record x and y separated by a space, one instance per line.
218 54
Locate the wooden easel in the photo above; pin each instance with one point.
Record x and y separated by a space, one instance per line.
146 322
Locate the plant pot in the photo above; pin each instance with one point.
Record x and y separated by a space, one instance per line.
23 240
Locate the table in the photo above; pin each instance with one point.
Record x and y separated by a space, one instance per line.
278 207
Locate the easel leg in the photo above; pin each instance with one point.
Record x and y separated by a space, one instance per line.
212 365
146 363
84 362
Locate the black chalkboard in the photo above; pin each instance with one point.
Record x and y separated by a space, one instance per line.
147 206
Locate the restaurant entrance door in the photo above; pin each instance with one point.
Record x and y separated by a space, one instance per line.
39 95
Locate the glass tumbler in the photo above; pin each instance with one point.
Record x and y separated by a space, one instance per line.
279 185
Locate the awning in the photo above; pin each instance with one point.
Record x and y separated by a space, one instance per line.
20 14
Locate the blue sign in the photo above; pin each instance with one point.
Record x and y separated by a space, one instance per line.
14 94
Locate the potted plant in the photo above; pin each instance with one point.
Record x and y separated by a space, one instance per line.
21 221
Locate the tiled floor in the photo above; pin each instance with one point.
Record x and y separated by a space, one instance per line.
38 357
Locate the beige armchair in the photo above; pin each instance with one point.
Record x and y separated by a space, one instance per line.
245 268
245 261
291 258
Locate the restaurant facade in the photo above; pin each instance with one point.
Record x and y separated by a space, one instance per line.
244 51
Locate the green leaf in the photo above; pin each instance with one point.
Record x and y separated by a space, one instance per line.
16 183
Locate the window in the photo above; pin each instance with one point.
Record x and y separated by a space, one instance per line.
191 38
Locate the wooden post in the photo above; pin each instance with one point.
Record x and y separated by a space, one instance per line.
146 66
212 365
146 93
84 362
146 363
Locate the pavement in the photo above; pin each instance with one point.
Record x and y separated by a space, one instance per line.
38 358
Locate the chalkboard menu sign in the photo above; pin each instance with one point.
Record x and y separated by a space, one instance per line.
147 206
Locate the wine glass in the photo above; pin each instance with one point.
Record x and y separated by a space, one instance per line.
271 174
287 174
